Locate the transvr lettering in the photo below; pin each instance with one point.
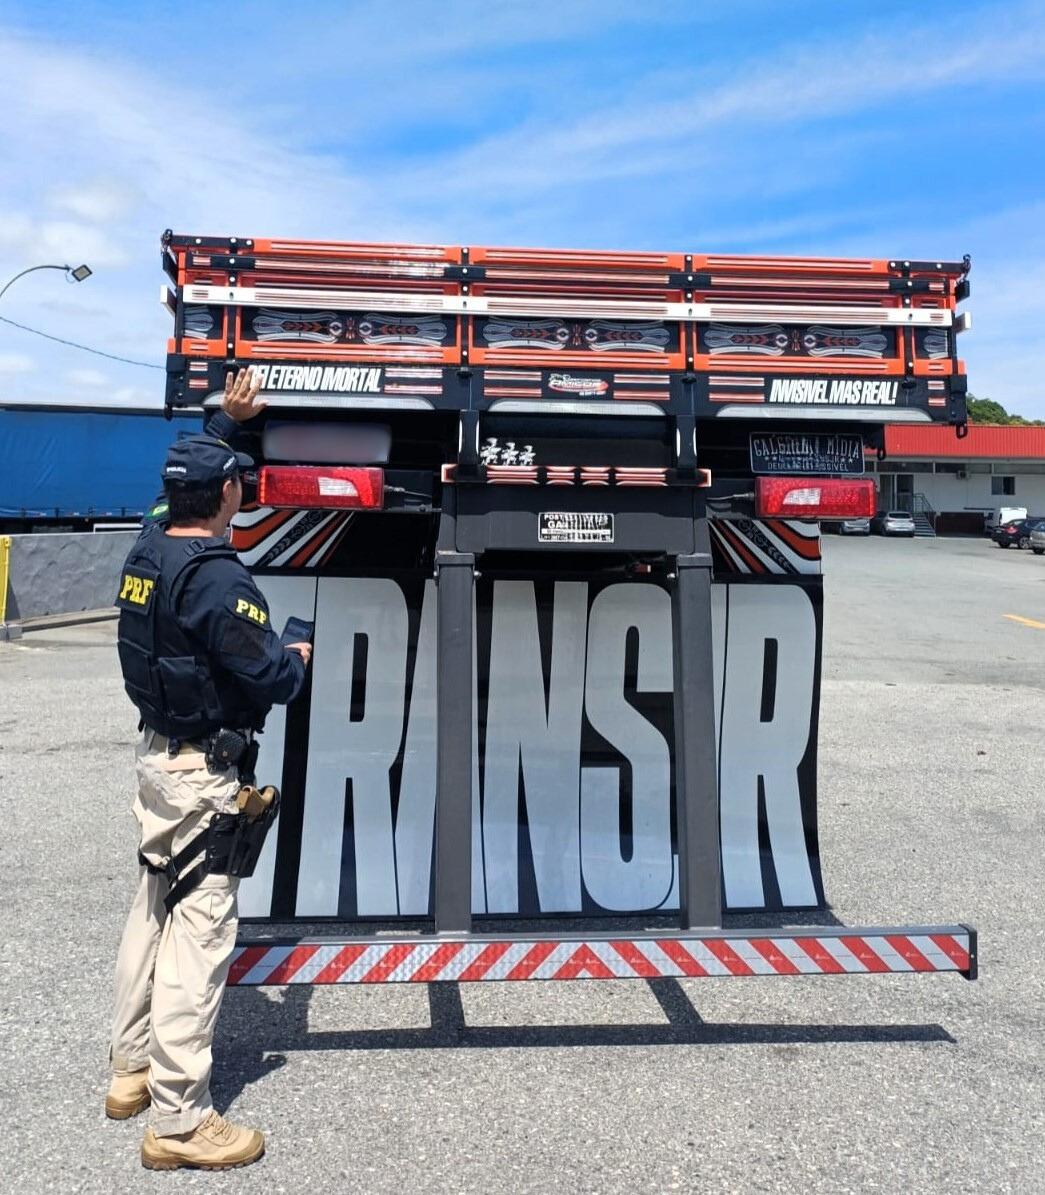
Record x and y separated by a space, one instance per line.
848 392
572 802
344 379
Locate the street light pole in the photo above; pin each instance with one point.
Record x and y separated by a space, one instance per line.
76 273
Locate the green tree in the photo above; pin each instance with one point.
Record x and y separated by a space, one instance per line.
986 410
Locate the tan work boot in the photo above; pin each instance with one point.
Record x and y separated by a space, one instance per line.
213 1144
128 1095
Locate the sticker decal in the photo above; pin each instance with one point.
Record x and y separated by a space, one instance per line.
493 452
570 527
344 379
391 329
532 334
820 341
793 340
808 454
564 383
199 320
606 336
764 340
317 327
837 392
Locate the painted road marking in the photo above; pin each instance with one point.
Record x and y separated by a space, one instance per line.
1027 622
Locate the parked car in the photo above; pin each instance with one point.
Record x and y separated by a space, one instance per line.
854 527
1004 514
1017 531
1037 538
893 522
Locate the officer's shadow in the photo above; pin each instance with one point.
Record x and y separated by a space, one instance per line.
257 1024
250 1021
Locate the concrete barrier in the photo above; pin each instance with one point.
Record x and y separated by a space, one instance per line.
59 574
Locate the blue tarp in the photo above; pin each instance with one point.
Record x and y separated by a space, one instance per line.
63 463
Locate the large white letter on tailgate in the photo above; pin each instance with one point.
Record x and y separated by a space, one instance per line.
545 739
773 750
645 880
415 815
363 751
285 596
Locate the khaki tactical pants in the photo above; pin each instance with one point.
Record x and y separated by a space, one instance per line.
171 970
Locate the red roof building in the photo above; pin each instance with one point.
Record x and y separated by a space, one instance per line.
961 483
984 442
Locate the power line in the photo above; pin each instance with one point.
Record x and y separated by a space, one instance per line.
73 345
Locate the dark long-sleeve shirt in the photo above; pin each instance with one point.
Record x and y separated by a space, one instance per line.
224 611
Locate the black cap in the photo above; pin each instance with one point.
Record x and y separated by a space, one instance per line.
197 460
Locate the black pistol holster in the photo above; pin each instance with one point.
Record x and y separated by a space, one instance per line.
231 845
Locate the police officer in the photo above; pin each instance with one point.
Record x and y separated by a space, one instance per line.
199 656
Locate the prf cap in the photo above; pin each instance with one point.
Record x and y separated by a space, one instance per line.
198 460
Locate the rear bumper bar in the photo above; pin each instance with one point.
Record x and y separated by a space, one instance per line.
702 954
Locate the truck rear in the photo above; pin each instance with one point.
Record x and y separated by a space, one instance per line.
555 517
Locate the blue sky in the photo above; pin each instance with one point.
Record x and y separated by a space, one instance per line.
883 130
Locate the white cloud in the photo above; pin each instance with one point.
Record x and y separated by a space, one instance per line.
12 363
70 242
96 202
736 118
70 311
86 377
15 228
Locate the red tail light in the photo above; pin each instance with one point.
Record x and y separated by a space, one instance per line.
814 497
325 487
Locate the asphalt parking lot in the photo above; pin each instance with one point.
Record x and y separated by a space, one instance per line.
931 746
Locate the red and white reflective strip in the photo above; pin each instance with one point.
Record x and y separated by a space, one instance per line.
847 952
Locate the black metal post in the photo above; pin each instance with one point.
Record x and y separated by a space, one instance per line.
696 755
455 580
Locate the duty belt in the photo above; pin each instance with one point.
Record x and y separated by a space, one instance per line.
225 748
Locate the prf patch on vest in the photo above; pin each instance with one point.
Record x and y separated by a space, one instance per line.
137 589
250 609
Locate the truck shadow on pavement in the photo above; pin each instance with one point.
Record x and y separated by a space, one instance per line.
254 1031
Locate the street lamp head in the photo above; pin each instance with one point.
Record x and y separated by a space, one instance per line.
72 274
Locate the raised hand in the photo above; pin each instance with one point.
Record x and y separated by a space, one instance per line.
241 401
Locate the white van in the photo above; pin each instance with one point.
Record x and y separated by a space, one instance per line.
1004 514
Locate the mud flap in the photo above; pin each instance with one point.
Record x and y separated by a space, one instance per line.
573 742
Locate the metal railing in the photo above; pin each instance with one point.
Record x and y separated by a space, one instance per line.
916 504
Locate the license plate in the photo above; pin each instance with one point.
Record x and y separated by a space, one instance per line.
571 527
807 453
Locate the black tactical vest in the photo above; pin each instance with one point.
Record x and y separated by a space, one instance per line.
165 674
